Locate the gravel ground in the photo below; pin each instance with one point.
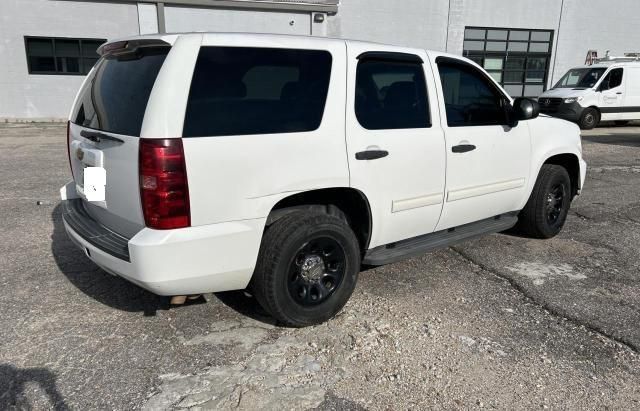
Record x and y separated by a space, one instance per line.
498 322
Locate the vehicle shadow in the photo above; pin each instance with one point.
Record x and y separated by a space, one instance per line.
12 385
245 305
93 281
626 140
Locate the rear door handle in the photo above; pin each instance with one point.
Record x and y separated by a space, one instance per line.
463 148
619 93
371 154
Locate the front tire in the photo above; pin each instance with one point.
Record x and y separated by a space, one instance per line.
589 119
307 268
546 211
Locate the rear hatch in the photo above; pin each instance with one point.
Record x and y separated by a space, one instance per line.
104 130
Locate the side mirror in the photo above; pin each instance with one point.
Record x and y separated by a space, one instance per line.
525 109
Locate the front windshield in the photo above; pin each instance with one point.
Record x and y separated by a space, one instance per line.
581 78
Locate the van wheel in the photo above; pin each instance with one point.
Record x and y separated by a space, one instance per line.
307 268
547 208
589 119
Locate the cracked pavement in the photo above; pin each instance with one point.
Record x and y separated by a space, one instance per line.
497 322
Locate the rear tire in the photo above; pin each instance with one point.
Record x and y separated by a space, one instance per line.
307 268
589 119
546 211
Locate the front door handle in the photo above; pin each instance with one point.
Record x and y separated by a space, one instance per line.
463 148
371 154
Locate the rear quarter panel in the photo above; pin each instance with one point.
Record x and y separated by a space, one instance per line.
243 177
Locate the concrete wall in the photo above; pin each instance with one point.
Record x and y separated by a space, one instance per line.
539 14
415 23
181 19
431 24
45 96
598 25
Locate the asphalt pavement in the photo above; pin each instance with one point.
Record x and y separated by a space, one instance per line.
499 322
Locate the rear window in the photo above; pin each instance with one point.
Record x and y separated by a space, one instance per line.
244 91
116 97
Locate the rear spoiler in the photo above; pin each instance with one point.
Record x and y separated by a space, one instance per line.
129 46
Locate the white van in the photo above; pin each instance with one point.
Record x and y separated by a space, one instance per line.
607 91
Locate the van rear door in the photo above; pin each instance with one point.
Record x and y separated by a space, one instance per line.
105 128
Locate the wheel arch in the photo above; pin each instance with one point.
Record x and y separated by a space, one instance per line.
571 163
597 109
344 202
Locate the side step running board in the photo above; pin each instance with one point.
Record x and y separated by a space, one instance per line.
412 247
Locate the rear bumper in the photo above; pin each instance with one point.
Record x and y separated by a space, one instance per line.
194 260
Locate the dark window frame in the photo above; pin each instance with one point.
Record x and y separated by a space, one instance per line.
81 56
395 58
491 82
188 133
607 79
107 114
484 53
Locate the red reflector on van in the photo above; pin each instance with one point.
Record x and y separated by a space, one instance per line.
164 191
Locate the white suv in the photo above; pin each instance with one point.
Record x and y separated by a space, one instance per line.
215 162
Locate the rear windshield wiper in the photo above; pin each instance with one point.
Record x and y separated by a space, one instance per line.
97 137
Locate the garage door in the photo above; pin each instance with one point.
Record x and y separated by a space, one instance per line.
181 19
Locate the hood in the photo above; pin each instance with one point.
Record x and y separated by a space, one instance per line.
564 93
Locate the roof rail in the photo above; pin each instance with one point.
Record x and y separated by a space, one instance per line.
628 57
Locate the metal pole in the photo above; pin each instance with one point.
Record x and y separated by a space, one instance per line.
162 28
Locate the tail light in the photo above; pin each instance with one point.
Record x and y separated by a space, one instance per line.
163 184
69 146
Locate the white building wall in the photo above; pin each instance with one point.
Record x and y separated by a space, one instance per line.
430 24
539 14
24 95
181 19
596 25
414 23
147 18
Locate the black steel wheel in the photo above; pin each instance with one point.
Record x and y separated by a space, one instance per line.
545 213
307 268
555 203
589 119
316 271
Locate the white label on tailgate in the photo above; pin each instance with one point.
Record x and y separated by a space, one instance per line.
95 179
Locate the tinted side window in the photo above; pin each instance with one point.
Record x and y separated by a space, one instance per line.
391 95
244 91
614 79
470 99
116 98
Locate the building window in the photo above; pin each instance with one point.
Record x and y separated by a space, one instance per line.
517 59
49 55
